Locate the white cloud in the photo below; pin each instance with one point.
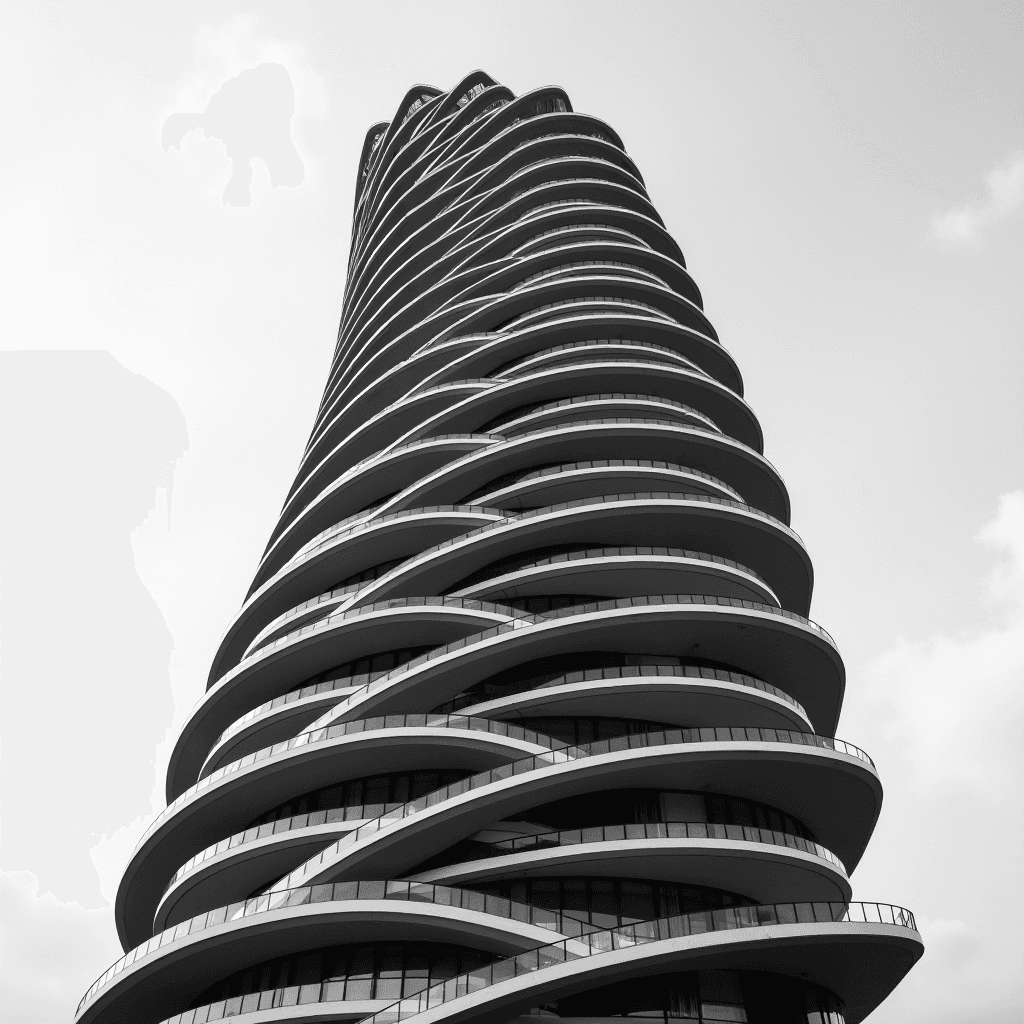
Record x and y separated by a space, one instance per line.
226 49
946 716
953 703
965 225
249 94
111 854
51 951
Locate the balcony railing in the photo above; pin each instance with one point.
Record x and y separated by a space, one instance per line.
465 700
544 957
663 830
340 892
563 756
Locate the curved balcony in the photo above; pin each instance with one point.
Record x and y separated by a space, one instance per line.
815 935
179 959
339 552
678 694
793 769
764 863
236 793
774 644
626 572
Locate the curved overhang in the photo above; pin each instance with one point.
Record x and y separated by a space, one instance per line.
276 724
453 469
573 481
422 284
370 481
374 136
351 551
417 249
449 208
391 143
566 412
372 435
508 167
417 290
279 667
391 372
725 529
788 653
521 308
563 250
489 354
475 202
859 962
604 366
689 703
456 97
432 266
475 472
213 810
394 141
809 783
523 302
247 868
175 974
632 575
758 871
434 411
588 374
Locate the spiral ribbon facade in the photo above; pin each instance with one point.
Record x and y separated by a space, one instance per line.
522 716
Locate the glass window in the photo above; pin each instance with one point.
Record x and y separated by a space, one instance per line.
721 997
637 901
683 807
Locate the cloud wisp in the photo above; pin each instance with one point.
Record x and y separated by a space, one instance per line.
965 226
247 92
945 714
51 950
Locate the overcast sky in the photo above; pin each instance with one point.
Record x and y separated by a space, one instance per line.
847 183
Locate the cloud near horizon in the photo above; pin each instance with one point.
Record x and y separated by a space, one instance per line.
52 951
945 713
964 226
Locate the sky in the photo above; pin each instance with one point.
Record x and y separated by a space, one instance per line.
847 183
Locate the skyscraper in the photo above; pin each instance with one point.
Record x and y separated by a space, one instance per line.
522 715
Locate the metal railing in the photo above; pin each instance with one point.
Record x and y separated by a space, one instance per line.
524 620
351 683
558 752
518 426
340 892
326 733
391 604
632 935
465 700
664 830
368 519
628 464
564 755
311 819
507 520
628 551
544 957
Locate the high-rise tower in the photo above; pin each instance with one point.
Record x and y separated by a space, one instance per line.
522 715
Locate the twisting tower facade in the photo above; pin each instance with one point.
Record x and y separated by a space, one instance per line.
522 715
